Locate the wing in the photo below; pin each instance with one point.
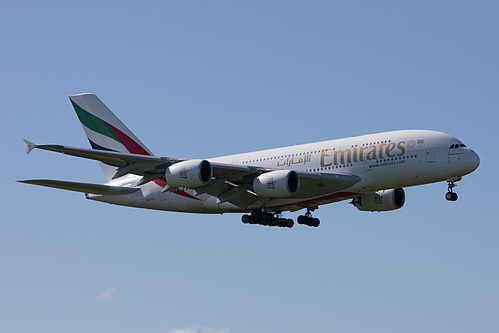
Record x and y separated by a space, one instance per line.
82 187
236 187
230 183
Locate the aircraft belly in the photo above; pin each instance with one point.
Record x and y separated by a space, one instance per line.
293 204
212 205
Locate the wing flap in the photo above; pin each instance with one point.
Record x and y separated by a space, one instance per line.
81 187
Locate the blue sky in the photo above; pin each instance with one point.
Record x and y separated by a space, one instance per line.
209 78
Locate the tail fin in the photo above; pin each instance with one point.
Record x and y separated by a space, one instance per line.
104 130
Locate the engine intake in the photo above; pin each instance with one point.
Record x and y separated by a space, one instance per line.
279 183
190 174
380 201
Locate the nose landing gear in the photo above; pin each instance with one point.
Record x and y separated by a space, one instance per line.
450 195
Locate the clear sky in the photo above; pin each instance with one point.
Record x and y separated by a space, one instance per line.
207 78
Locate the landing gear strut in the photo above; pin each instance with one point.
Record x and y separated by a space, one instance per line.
307 219
261 217
450 195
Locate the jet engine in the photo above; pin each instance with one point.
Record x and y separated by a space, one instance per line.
279 183
380 201
190 174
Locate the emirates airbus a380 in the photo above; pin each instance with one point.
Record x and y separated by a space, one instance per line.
370 170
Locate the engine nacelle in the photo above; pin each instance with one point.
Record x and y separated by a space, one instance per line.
276 184
190 174
380 201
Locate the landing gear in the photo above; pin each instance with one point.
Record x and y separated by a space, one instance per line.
307 219
268 219
261 217
246 218
450 195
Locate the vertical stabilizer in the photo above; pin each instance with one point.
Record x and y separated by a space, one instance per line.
104 130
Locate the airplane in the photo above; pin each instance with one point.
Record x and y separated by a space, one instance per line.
370 170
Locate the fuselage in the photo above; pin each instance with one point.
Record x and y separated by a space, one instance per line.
382 161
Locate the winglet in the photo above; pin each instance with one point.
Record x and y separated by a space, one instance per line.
29 146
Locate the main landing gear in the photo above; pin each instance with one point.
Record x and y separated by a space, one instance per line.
268 219
307 219
261 217
450 195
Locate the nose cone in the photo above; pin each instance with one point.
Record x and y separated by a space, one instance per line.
475 161
472 161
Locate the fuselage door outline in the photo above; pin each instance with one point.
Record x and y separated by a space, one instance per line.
430 155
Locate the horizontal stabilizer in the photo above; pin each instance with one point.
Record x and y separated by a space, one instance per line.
82 187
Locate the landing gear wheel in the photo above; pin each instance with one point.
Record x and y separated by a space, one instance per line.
451 196
270 219
307 219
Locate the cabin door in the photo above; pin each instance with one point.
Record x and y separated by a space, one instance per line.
430 155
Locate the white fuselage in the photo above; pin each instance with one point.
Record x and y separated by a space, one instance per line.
382 161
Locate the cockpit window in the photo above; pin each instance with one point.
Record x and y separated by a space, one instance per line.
457 145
